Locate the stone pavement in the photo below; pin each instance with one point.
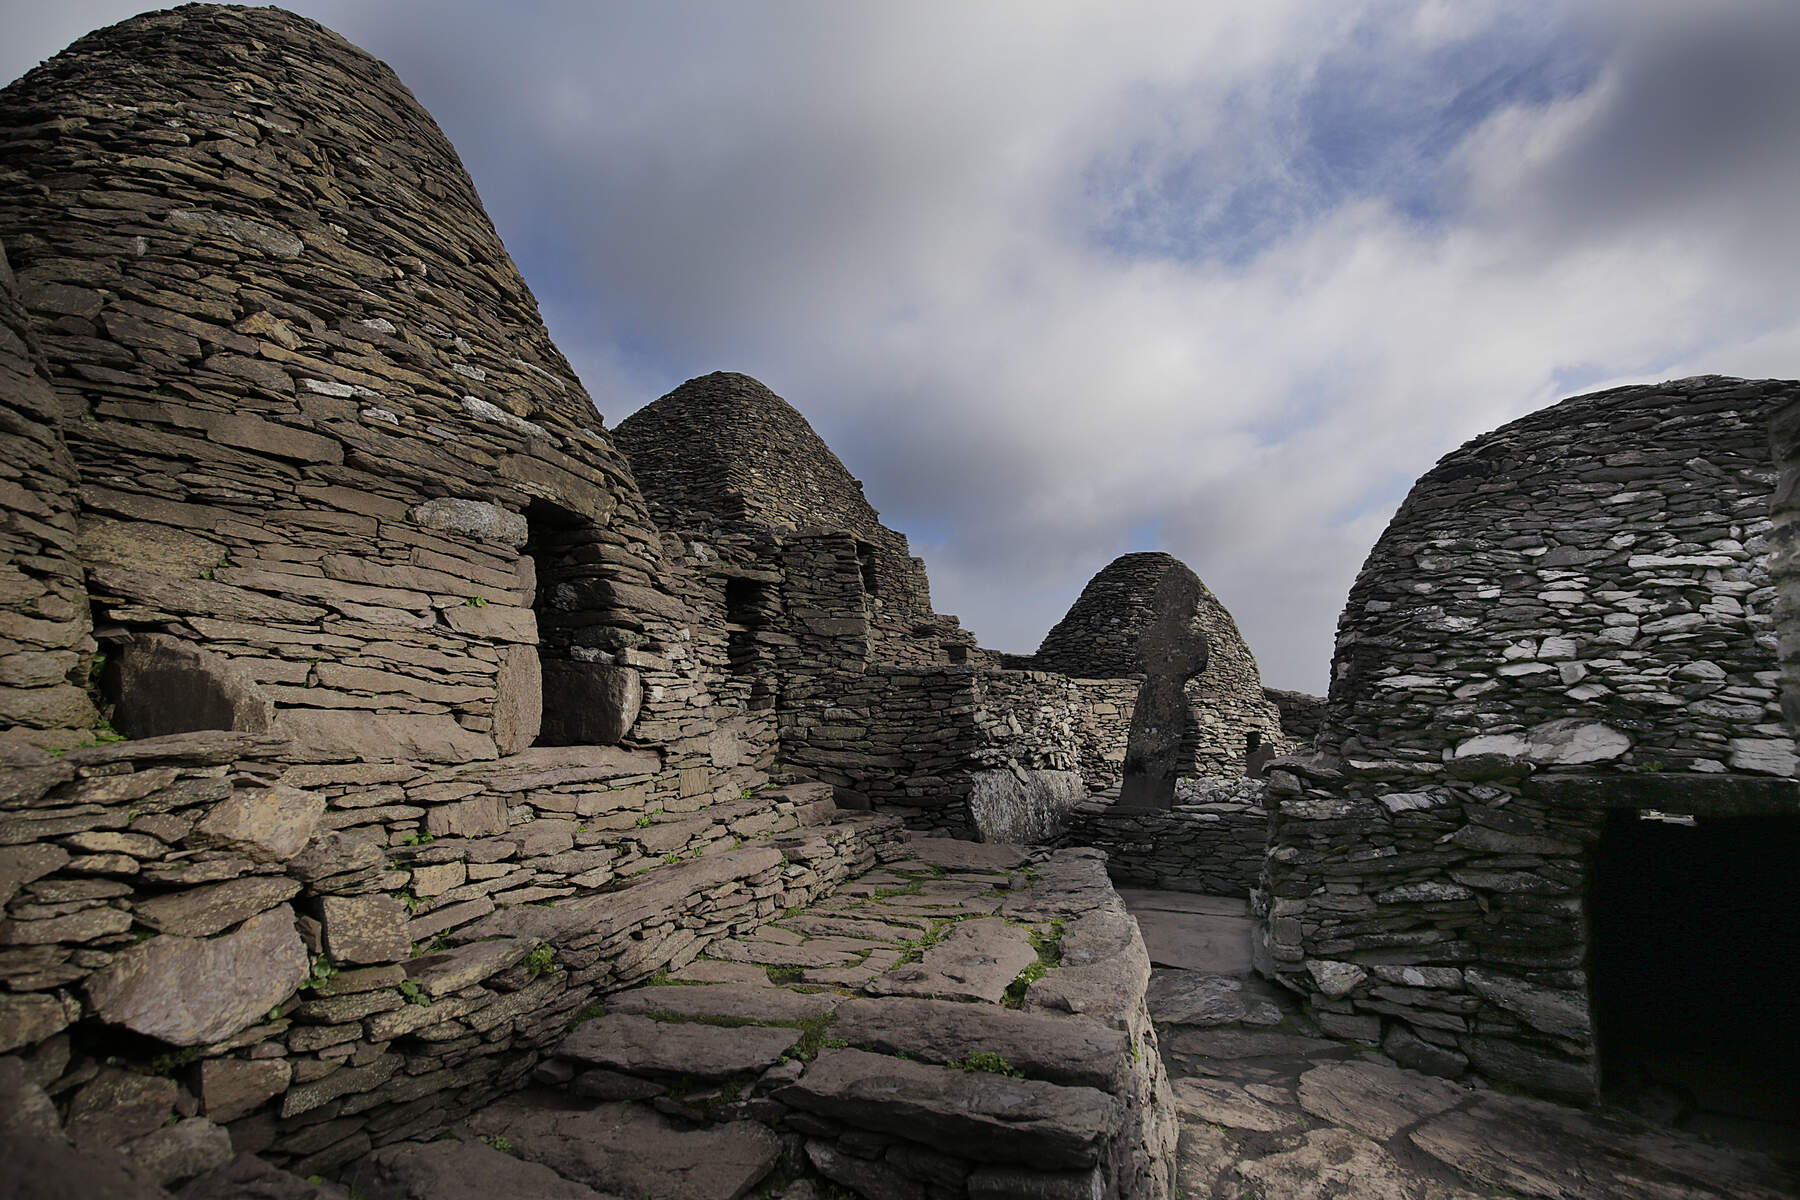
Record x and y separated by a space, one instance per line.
1271 1110
969 1020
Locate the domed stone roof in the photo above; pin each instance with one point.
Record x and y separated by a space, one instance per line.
1596 571
724 446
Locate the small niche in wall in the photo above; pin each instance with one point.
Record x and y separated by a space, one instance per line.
865 561
750 605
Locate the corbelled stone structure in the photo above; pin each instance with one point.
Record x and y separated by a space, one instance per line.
1099 638
1555 684
426 735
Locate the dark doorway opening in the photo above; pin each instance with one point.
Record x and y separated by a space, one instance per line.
1696 974
865 562
750 606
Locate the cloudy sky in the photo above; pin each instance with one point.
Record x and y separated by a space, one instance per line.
1062 281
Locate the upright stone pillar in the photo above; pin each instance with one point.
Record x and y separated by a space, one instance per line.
1174 650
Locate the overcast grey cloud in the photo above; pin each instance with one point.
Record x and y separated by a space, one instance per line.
1060 281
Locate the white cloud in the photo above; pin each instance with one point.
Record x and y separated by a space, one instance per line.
962 240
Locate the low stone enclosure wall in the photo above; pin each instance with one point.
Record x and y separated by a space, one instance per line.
1212 841
450 921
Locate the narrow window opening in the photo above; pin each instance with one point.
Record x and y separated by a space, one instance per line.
865 561
749 608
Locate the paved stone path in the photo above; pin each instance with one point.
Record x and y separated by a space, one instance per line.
965 1020
1270 1110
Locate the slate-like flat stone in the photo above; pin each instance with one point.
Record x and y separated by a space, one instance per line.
452 1170
816 924
740 1001
1224 1102
820 952
1536 1148
990 1118
1333 1164
640 1046
954 855
629 1150
1248 1043
976 961
1067 1050
1375 1100
1196 998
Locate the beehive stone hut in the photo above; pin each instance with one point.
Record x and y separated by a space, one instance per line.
400 654
1098 639
1549 828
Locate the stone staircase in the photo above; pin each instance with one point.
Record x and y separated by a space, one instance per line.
967 1020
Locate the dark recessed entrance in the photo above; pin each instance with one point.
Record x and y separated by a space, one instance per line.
1696 974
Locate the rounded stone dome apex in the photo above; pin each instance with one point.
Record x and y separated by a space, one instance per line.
726 448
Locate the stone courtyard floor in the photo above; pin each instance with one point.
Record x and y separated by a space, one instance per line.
1271 1111
967 1021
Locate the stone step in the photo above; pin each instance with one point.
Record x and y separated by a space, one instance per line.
636 1045
628 1150
972 1114
457 1170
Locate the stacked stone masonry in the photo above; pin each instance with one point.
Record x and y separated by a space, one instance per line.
1569 617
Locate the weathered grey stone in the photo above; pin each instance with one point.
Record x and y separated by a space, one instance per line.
732 1001
385 737
337 852
1530 1147
1410 1050
627 1150
1332 1164
589 703
975 1114
451 971
180 1151
1233 1044
954 854
457 1170
1180 997
1219 1102
119 1106
482 816
1572 740
267 825
25 1109
1377 1101
641 1046
28 1018
1173 650
19 865
976 961
247 1177
203 911
191 992
1059 1049
164 685
518 699
1023 807
472 519
234 1087
1564 1013
365 929
1335 979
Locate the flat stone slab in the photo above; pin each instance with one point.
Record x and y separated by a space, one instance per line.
815 924
819 952
975 1114
1535 1148
1249 1043
453 1170
1067 1050
1223 1102
1179 997
1374 1100
953 854
1333 1164
976 962
1140 900
640 1046
1211 944
733 1001
629 1150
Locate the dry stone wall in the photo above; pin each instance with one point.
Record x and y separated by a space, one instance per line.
1604 560
1212 840
1098 639
316 414
45 650
1568 617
